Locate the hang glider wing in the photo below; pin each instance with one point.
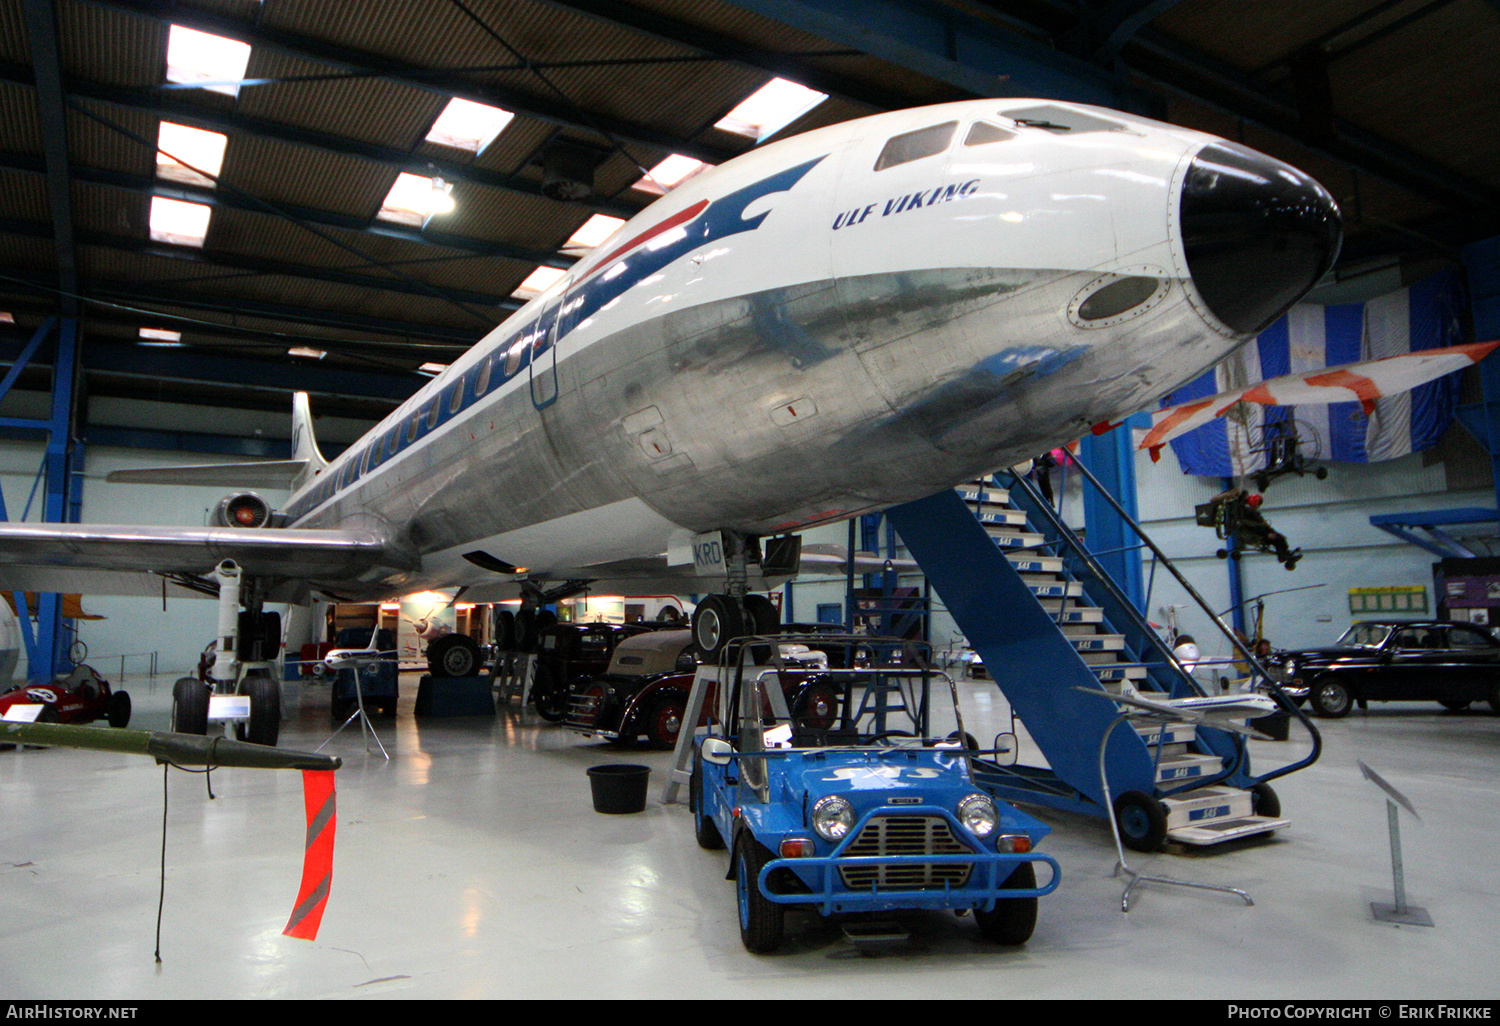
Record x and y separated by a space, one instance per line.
1356 382
115 559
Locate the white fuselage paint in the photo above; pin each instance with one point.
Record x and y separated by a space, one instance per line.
791 339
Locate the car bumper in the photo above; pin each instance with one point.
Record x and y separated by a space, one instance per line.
984 887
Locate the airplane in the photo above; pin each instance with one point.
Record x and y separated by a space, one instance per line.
829 325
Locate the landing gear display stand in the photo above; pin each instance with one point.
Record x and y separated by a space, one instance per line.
1400 913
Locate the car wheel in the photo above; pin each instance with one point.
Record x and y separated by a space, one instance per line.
549 696
117 711
704 828
1142 821
1495 701
453 655
717 620
1454 706
1014 919
264 725
762 921
664 720
190 706
1330 698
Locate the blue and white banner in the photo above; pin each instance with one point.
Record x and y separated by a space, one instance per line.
1310 338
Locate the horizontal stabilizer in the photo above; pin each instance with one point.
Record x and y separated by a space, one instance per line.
256 474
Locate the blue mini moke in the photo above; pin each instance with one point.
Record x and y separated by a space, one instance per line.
870 809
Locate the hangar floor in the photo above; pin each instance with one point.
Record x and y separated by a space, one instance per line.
473 866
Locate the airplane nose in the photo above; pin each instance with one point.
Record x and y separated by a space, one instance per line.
1258 234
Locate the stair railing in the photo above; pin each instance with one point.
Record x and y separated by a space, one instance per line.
1249 657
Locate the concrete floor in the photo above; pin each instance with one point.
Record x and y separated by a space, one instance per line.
473 866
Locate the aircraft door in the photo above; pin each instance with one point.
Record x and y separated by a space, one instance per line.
542 367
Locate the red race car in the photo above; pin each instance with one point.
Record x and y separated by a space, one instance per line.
81 697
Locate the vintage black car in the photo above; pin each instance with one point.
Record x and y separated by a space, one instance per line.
568 653
1453 664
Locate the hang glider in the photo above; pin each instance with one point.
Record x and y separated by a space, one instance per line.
1356 382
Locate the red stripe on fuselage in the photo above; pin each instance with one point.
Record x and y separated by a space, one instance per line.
681 217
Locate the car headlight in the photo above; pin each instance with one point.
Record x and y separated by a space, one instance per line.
832 817
978 813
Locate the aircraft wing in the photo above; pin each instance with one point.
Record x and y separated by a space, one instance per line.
1356 382
113 559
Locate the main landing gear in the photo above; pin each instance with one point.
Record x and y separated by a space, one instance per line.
719 619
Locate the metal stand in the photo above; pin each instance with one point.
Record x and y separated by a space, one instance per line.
1400 913
1121 866
365 726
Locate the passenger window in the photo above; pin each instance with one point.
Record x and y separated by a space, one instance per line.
482 383
458 396
924 142
411 427
432 413
513 358
982 133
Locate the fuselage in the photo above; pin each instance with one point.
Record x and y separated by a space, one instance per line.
838 322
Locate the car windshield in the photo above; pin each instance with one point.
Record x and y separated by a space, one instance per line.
1365 635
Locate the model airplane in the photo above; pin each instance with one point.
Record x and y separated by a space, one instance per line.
828 325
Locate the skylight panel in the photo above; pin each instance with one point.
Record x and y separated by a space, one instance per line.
770 109
194 56
670 173
307 351
432 368
160 337
179 223
539 281
178 145
591 233
413 199
466 125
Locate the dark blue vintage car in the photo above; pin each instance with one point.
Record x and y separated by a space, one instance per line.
1453 664
871 809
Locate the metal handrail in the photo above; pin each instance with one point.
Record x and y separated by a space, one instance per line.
1255 665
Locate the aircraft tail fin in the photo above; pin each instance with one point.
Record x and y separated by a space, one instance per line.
304 443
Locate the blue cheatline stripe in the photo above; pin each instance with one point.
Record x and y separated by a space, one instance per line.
1343 329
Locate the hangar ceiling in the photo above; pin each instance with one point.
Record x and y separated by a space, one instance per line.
1391 103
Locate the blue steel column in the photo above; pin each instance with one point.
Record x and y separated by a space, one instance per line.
59 503
1111 458
1482 262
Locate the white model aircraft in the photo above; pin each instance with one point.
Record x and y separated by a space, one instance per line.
832 324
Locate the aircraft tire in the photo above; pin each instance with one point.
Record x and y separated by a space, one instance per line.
117 711
454 655
264 726
190 706
717 621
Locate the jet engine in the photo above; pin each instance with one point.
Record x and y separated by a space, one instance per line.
242 509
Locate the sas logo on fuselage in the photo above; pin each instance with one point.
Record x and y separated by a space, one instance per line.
911 201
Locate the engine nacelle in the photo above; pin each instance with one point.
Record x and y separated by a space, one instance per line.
242 509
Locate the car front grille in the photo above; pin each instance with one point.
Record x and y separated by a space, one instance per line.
906 836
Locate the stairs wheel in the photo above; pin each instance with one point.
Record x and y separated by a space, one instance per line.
1265 800
1142 821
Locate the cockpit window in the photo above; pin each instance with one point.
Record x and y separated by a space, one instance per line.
1061 120
924 142
982 133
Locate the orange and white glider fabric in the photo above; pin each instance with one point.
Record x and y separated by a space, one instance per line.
317 861
1355 382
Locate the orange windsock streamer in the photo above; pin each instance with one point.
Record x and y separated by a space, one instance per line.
317 861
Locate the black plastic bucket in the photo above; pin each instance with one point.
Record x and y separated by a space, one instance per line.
619 788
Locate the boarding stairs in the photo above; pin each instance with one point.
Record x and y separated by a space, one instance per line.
1050 626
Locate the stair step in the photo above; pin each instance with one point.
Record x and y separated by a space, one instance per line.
1042 588
1032 563
1218 831
1179 769
1176 733
970 493
1075 614
1012 539
1099 643
1004 517
1108 673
